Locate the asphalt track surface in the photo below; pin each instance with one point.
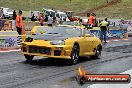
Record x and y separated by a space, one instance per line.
15 72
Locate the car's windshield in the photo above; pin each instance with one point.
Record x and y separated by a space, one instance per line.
64 31
59 33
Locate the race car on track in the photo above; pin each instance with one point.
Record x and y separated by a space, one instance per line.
64 43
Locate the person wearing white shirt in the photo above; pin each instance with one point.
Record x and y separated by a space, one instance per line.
50 21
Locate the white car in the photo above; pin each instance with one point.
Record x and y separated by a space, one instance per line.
62 15
48 12
7 12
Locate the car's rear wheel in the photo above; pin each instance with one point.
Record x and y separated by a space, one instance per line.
97 53
75 54
28 57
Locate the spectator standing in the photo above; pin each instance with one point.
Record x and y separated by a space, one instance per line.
41 20
54 19
19 22
19 25
14 15
58 20
104 28
91 20
50 20
61 20
32 18
46 18
80 22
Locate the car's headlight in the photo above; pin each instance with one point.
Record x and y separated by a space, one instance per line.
60 42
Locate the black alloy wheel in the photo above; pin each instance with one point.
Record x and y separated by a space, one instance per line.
75 54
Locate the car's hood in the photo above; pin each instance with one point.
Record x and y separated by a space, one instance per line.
46 40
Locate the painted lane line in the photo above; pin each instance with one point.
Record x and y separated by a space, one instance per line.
7 51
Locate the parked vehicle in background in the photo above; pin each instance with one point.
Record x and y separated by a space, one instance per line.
49 12
62 15
1 13
57 14
6 12
34 15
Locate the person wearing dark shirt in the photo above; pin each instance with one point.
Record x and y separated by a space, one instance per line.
14 15
46 18
32 18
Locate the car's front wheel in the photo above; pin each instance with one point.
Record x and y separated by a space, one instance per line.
28 57
75 54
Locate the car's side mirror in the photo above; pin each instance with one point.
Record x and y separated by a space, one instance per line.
87 35
42 32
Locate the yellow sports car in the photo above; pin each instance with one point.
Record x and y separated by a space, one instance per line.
62 42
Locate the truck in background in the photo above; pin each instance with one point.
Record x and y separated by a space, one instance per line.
55 13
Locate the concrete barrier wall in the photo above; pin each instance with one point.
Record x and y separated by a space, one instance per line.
10 25
9 39
112 34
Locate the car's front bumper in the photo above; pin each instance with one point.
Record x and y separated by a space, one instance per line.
60 51
9 15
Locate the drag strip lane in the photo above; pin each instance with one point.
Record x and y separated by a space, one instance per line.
23 75
44 75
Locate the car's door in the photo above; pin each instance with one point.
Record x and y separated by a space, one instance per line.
80 39
89 41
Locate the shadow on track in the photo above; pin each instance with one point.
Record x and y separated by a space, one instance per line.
56 62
